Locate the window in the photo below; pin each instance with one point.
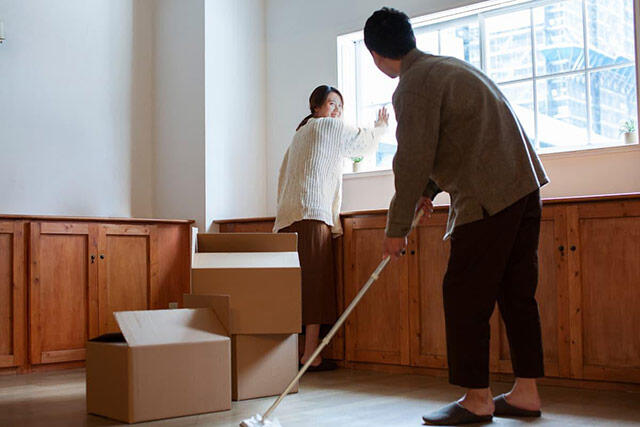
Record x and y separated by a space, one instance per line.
567 67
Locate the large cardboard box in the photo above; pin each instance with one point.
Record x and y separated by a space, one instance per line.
262 364
166 363
261 274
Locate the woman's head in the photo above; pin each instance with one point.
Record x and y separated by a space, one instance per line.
324 101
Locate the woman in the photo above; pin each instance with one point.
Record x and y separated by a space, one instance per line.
309 198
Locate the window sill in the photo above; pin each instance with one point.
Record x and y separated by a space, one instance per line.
588 152
585 152
366 174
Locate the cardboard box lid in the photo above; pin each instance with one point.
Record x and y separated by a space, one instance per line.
157 327
219 303
247 242
242 260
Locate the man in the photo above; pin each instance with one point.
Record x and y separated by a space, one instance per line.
457 132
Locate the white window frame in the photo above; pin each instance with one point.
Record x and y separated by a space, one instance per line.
347 62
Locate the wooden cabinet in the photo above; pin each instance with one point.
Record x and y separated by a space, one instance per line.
378 328
12 295
63 290
127 270
77 273
604 290
428 258
588 291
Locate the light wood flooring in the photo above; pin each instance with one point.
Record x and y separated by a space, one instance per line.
339 398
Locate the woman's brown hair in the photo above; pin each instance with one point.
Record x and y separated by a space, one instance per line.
317 98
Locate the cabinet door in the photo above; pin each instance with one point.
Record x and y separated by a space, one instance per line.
63 309
552 297
378 328
604 272
127 270
12 295
428 259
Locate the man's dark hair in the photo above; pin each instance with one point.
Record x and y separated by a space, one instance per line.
388 32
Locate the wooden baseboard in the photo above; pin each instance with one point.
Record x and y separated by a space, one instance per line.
443 373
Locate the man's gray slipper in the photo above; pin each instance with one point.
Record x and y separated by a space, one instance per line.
452 415
504 409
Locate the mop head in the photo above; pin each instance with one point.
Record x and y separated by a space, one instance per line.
258 421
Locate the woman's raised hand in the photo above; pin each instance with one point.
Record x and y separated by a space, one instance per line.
383 117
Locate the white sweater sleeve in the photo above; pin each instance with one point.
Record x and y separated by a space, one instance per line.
360 141
282 174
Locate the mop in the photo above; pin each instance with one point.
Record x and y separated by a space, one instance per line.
262 420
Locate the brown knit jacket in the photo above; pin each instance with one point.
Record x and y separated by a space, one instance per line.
456 131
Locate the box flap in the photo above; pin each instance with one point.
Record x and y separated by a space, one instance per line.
219 303
242 260
247 242
154 327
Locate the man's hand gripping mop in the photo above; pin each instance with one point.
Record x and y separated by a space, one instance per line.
263 420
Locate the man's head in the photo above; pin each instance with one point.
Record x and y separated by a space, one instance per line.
389 37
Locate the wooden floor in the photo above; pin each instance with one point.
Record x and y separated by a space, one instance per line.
339 398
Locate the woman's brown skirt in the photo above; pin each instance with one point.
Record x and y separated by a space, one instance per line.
318 278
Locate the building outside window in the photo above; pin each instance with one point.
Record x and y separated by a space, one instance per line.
567 67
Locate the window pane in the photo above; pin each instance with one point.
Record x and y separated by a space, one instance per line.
610 32
509 46
559 37
427 41
462 41
520 96
373 86
388 144
613 102
562 118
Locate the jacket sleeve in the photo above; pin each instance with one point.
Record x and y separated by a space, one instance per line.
417 134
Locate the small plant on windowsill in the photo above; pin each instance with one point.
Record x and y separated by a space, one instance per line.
357 163
628 129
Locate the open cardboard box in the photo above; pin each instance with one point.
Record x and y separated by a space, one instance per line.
166 363
261 274
262 364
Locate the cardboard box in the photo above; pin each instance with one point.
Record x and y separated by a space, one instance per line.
261 274
166 363
247 242
263 365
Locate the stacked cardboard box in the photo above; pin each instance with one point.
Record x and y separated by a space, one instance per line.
165 363
261 275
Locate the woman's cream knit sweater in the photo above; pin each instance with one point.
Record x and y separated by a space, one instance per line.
310 179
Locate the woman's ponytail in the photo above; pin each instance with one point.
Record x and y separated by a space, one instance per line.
304 121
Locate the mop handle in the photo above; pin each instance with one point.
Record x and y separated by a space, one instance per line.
374 276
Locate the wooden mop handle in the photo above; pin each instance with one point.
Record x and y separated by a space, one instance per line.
374 276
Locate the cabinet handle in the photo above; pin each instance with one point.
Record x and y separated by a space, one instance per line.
573 248
93 259
561 248
101 256
413 252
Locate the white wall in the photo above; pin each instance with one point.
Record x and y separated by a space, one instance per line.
75 108
179 119
210 109
235 80
301 42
